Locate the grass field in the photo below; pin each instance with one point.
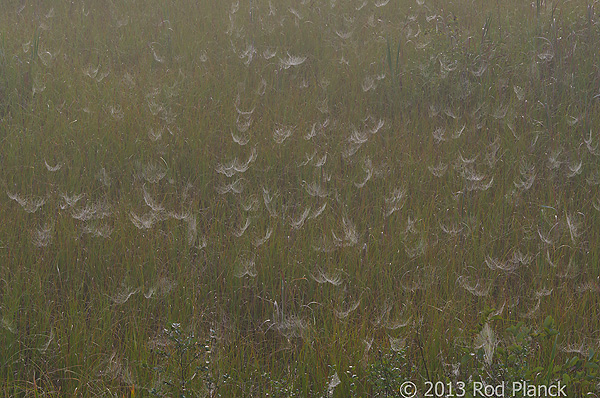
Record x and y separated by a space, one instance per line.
298 198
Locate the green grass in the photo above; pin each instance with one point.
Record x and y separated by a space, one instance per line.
300 184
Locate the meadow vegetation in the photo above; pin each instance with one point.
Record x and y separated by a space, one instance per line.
297 198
